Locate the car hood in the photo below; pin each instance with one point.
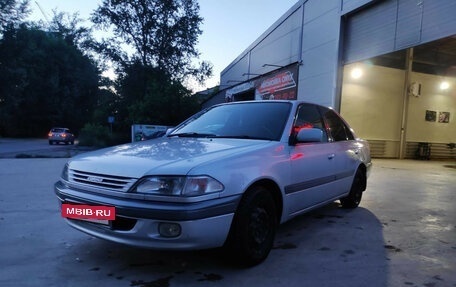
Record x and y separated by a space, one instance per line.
164 156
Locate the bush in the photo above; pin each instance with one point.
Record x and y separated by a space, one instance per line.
96 135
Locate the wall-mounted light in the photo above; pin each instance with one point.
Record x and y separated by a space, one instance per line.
356 73
444 85
250 74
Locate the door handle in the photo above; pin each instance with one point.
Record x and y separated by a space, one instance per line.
331 156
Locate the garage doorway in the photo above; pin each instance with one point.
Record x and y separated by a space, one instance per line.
405 110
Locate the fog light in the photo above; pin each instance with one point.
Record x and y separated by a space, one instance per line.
169 229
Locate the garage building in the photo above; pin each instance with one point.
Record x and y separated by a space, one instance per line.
388 66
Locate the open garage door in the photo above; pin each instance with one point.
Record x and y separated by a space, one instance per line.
374 102
393 25
403 99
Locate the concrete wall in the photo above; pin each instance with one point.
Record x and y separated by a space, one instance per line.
434 99
372 104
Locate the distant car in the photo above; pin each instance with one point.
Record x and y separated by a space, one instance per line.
60 135
225 177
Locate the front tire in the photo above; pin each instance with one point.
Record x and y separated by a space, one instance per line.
253 230
353 199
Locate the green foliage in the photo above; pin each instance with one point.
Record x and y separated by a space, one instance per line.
44 82
96 135
48 75
162 33
12 12
69 28
153 97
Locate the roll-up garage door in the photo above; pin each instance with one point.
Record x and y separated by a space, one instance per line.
392 25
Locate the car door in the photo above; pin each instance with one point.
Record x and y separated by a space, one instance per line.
311 164
345 150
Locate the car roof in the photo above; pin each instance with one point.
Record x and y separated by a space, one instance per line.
60 129
292 102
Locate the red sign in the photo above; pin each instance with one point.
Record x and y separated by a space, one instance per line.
88 212
278 82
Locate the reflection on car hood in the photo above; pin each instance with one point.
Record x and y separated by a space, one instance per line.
176 156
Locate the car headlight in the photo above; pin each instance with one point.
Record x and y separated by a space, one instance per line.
64 174
178 185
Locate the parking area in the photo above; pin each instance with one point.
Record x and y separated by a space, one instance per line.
403 234
37 148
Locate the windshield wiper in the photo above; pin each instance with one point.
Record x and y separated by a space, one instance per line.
193 135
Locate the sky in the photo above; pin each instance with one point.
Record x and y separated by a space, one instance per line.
228 28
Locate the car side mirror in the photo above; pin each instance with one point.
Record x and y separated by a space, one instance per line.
307 135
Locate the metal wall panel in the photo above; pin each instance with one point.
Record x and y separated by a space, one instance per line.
371 32
350 5
409 18
313 89
439 19
280 47
322 30
234 73
393 25
320 52
318 8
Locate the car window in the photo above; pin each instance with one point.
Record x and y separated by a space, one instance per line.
308 116
338 130
261 120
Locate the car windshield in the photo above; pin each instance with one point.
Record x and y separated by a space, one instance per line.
58 130
253 120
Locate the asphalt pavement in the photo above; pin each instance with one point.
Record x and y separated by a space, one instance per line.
403 234
38 148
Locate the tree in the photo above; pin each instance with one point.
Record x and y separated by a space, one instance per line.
12 12
44 81
153 45
69 27
167 102
160 33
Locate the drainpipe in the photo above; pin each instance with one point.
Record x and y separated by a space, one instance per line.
405 102
301 35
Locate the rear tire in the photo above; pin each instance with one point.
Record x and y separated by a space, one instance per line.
353 199
253 230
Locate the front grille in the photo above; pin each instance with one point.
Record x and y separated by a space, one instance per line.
111 182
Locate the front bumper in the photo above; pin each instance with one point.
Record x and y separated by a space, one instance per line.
204 224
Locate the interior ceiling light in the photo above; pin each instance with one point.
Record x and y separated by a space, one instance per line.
356 73
444 85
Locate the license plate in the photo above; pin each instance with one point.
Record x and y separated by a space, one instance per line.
97 221
94 213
